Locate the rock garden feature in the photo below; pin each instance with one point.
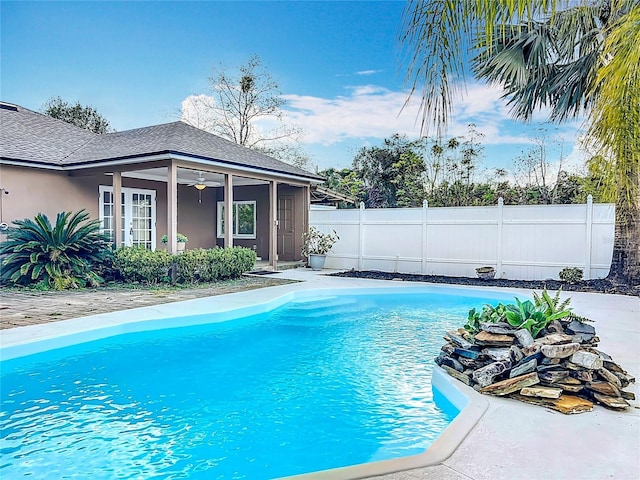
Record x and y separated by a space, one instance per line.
537 352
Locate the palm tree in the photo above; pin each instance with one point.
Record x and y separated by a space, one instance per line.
64 255
574 58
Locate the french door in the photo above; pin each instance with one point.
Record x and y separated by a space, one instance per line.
138 216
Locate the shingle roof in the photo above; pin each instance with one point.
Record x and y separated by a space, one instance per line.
31 137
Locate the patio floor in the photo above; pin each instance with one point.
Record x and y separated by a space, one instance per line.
512 440
19 309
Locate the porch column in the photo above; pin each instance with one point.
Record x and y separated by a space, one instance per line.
273 224
172 208
228 210
117 208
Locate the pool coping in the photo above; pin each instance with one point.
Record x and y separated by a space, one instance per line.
471 407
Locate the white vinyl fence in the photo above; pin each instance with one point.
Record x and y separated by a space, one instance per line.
528 242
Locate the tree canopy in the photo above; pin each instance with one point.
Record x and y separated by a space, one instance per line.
449 173
76 114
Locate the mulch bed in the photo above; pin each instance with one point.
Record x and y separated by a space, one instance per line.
595 286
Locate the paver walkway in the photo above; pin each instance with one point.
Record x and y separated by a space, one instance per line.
20 308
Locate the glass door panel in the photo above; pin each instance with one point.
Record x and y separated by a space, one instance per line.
138 216
141 220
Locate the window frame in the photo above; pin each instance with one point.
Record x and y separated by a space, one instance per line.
236 220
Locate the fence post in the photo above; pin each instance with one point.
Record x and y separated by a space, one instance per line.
425 207
499 239
588 239
361 236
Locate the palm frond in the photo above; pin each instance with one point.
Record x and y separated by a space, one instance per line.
62 254
436 33
439 34
615 122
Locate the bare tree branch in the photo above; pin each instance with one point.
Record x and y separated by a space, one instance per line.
246 108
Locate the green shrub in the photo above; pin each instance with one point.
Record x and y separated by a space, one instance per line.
193 266
210 265
66 255
135 264
225 263
571 274
236 261
245 259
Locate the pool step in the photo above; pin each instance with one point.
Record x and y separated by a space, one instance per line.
321 304
323 312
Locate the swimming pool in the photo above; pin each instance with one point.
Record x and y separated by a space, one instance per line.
321 382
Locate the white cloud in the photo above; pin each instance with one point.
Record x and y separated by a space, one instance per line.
361 72
480 100
368 72
368 112
373 111
196 110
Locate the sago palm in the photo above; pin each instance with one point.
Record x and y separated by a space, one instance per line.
63 255
571 57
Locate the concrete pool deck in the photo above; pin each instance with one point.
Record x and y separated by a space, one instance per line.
511 440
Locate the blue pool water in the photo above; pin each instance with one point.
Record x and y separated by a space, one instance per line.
312 385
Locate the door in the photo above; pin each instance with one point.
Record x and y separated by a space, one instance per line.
138 216
286 228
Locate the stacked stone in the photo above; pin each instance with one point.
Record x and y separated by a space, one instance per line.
561 369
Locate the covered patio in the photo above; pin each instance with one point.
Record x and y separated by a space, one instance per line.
267 212
164 180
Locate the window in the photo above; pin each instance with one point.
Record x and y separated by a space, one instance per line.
138 216
244 219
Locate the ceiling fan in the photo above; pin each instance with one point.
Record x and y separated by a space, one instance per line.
201 183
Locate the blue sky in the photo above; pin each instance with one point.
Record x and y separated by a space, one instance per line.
338 65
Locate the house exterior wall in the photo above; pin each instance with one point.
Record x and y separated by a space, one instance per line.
198 221
34 190
259 193
195 220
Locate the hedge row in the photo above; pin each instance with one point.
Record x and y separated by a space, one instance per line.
208 265
199 265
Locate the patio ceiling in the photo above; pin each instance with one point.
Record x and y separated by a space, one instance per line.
189 176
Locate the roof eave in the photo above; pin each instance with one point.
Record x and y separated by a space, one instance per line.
164 155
